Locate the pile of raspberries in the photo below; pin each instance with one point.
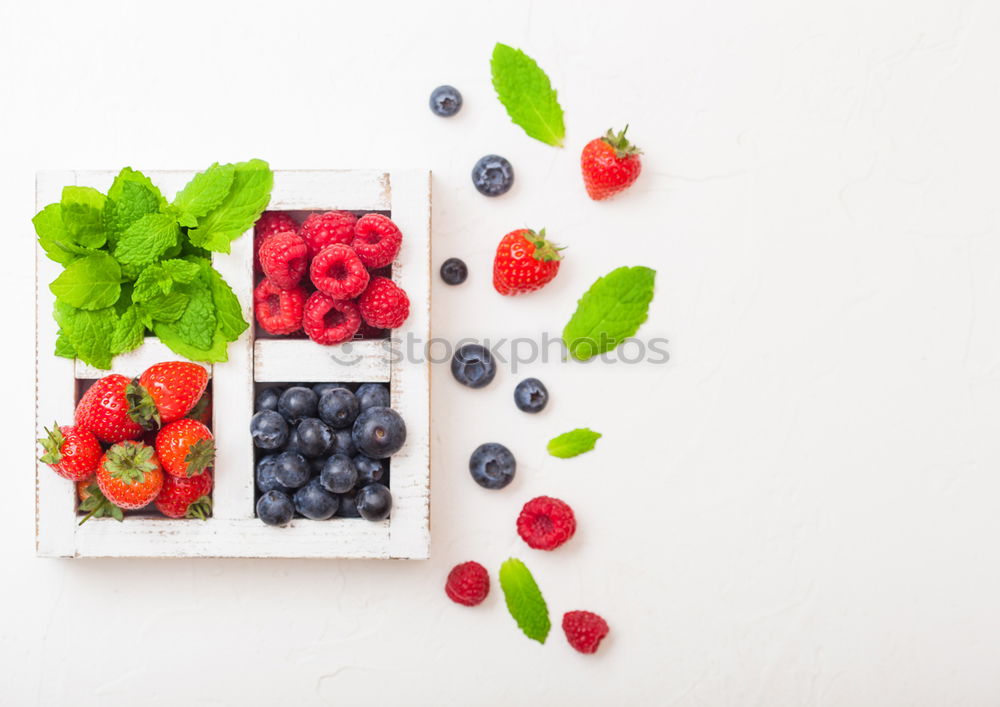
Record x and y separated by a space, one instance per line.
328 277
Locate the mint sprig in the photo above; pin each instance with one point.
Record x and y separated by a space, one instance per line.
609 312
527 94
573 443
524 600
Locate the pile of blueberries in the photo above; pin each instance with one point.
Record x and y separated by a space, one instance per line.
323 450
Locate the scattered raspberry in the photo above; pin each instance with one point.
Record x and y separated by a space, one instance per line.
329 321
376 240
321 230
269 223
338 272
584 630
278 311
283 258
546 523
384 304
468 584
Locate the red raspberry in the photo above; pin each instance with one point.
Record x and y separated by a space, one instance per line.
284 259
384 304
376 240
468 584
278 311
269 223
338 272
584 630
329 321
321 230
546 523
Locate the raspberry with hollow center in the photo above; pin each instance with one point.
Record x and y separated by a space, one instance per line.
376 240
546 523
384 304
338 272
269 223
468 584
283 257
330 321
321 230
584 630
278 311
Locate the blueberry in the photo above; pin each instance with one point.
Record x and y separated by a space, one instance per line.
373 501
379 432
338 407
445 101
369 470
315 502
339 474
315 437
268 429
297 402
454 271
492 465
293 443
267 399
348 506
320 388
473 365
343 443
531 395
493 175
373 395
264 474
275 508
291 470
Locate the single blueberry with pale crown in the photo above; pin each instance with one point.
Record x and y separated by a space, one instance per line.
492 175
531 395
373 395
492 465
379 432
445 101
314 437
291 470
472 365
338 407
454 271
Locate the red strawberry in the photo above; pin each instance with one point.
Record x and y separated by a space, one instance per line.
72 452
129 475
610 164
94 503
185 448
321 230
166 392
103 410
186 498
524 262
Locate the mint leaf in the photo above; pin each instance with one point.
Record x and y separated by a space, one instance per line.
89 333
196 326
165 308
128 332
570 444
64 347
147 239
135 177
524 600
216 353
527 94
227 306
205 192
92 282
136 199
609 312
243 205
83 215
53 237
181 270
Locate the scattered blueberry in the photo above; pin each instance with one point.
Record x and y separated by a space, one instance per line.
320 388
373 395
267 399
314 436
343 443
492 465
291 470
297 402
373 501
379 432
264 474
339 474
268 429
315 502
531 395
275 508
338 407
348 507
473 365
454 271
369 470
445 101
492 175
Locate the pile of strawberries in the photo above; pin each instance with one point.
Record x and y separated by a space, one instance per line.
328 277
141 441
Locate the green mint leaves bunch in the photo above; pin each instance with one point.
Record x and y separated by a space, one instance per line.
136 264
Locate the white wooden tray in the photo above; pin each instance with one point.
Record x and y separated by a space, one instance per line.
233 530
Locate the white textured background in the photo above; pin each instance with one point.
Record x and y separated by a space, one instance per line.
800 509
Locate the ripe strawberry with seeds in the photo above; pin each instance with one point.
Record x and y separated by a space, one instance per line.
610 164
321 230
376 240
94 503
165 392
104 410
185 448
71 451
278 311
525 261
186 498
129 475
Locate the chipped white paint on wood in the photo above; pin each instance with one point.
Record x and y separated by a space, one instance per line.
233 531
